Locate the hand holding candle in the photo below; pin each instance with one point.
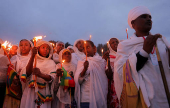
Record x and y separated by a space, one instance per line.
61 69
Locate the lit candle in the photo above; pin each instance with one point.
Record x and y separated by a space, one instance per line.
107 45
35 39
90 37
85 49
4 45
61 68
127 32
102 52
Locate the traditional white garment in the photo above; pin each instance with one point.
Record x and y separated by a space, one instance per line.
3 68
136 12
98 82
77 55
149 77
46 66
70 47
19 61
112 52
55 55
62 95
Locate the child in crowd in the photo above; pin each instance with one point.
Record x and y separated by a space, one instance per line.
37 91
58 48
91 81
62 97
19 61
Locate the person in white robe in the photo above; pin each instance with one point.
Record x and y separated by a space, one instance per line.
91 84
37 91
62 97
59 46
71 49
138 55
3 72
79 51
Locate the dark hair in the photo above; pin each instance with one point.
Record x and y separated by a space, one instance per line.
91 43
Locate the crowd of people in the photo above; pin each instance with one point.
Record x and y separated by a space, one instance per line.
128 75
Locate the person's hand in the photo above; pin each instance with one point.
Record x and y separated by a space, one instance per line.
37 72
86 65
34 51
149 42
59 72
106 55
11 65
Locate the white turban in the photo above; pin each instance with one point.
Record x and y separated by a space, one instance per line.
136 12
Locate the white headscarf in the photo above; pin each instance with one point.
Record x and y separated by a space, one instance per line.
19 52
112 52
70 47
1 50
79 54
41 42
59 42
67 66
136 12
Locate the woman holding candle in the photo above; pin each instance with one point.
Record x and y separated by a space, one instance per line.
43 71
112 100
62 96
91 81
18 61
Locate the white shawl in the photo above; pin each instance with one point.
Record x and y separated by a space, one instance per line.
148 78
62 95
98 82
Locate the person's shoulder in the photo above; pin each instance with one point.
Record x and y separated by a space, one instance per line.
4 59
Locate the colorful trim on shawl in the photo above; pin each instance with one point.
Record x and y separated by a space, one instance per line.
44 98
40 85
23 77
131 97
53 73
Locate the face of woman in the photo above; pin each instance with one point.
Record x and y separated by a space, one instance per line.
44 50
25 47
90 50
60 46
80 45
66 56
114 43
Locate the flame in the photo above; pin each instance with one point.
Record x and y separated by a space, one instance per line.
102 50
5 44
63 61
9 46
85 42
37 38
44 36
126 29
52 44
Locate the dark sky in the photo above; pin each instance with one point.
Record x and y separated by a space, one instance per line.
69 20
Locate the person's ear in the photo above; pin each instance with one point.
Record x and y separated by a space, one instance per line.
133 23
95 49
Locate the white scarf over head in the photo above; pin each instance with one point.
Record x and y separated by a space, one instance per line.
98 82
79 54
136 12
112 52
55 55
71 47
20 61
62 95
148 78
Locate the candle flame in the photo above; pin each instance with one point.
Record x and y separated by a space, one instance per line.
5 44
85 42
126 29
90 37
37 38
9 46
44 36
63 61
52 44
102 50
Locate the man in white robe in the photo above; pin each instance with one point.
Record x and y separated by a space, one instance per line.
140 52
